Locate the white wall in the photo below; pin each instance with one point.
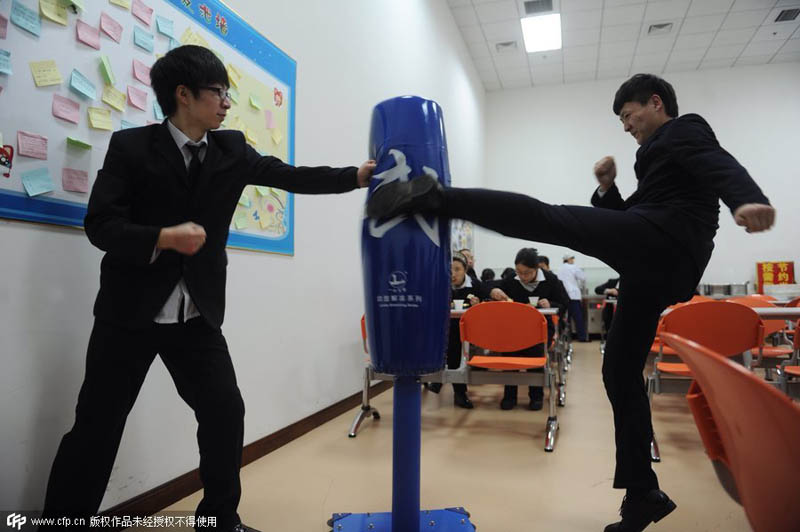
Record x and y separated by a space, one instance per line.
544 141
292 322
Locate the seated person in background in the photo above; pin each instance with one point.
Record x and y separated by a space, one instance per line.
531 281
467 253
611 291
508 273
544 263
487 275
462 287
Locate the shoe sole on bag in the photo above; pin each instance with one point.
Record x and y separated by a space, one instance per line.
385 204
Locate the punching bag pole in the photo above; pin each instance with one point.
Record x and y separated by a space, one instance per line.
406 449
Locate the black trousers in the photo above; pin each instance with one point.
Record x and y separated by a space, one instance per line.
117 362
454 353
655 272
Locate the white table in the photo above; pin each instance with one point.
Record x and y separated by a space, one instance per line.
544 311
770 313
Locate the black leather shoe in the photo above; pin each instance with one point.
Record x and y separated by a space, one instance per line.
461 400
637 515
243 528
508 403
420 194
536 403
435 387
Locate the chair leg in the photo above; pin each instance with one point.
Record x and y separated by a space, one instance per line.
655 455
552 421
366 409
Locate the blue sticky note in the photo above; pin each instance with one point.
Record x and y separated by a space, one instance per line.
165 26
174 43
5 62
157 112
37 182
142 39
27 19
124 124
81 84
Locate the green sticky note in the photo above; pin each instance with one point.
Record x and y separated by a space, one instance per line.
234 94
244 201
37 182
71 141
76 3
263 191
105 70
241 221
254 101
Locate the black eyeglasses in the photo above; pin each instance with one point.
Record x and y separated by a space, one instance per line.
222 94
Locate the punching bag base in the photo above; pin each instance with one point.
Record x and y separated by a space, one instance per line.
446 520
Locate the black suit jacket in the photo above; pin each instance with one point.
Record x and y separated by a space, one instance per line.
611 283
143 187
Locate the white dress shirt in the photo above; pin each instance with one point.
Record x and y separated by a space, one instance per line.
170 312
573 278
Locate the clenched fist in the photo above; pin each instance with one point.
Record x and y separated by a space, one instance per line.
186 238
606 171
755 217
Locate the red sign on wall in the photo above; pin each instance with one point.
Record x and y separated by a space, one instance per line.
774 273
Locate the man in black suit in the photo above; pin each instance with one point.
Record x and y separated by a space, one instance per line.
610 290
161 208
660 240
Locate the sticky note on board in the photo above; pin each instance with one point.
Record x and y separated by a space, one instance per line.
137 98
88 35
124 124
54 10
105 70
114 98
173 43
5 62
77 143
165 26
157 112
45 73
1 139
143 39
37 182
244 200
31 145
277 136
66 109
232 78
234 95
3 27
25 18
262 191
74 180
121 3
142 11
81 84
100 118
110 27
141 72
241 221
269 119
254 102
250 136
264 222
76 3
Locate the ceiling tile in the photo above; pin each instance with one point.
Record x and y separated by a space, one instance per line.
610 63
497 11
516 84
744 5
742 36
753 60
668 9
655 44
612 73
720 52
650 61
579 66
682 56
580 37
762 48
709 7
495 86
792 45
575 77
465 16
616 16
514 74
777 11
716 63
683 66
545 58
488 75
484 63
458 3
503 31
774 32
543 72
579 20
702 24
506 61
744 19
472 34
786 57
580 5
627 32
617 49
614 3
580 53
694 40
478 50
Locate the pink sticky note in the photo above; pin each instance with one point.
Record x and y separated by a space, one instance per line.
31 145
88 35
74 180
141 72
137 98
142 11
269 119
3 27
66 109
110 27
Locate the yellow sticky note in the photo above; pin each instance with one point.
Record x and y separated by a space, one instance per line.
232 78
254 102
238 124
241 220
236 71
114 98
250 136
45 73
244 199
277 136
105 70
53 10
100 118
121 3
190 37
264 222
262 191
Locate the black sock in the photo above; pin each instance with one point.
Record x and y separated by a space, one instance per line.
635 494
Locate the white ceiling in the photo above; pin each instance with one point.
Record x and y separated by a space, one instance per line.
608 38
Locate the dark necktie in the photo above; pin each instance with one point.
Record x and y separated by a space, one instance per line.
194 163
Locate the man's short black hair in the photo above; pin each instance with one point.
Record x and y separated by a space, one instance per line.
543 259
508 273
641 87
528 257
190 65
487 274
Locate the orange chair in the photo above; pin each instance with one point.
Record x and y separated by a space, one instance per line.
741 420
657 346
728 328
790 370
763 297
366 410
772 328
793 303
503 327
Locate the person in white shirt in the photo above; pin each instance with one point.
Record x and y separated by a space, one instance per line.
574 283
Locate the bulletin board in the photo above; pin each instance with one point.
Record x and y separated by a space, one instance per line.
74 71
462 235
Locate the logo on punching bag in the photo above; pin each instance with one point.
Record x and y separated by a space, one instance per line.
398 280
400 171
